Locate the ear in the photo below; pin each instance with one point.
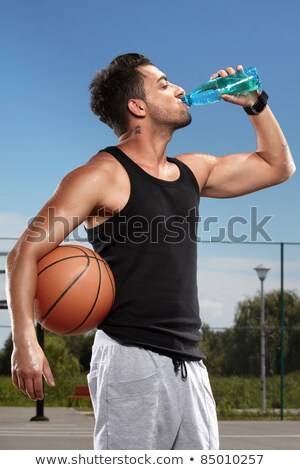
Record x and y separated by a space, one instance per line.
137 107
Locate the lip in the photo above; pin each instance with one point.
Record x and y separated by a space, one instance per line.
184 104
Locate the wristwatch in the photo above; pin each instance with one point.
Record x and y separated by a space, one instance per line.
259 105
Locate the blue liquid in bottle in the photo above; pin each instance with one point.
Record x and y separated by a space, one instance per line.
243 81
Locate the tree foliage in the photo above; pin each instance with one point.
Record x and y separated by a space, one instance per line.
236 351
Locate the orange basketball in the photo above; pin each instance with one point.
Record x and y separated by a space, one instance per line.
75 290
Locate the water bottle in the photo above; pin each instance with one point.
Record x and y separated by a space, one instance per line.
243 81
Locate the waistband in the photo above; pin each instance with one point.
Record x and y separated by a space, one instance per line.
102 339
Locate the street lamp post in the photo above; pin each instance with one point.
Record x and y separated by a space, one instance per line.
262 274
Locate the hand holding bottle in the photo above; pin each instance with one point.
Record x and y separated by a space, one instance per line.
245 99
238 87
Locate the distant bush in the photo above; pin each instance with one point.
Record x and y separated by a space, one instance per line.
244 393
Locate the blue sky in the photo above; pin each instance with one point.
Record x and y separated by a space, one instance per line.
50 51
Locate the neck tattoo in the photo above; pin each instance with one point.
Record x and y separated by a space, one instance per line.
138 130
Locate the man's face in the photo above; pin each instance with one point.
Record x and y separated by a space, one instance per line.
164 105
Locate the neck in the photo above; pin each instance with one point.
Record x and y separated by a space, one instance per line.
140 143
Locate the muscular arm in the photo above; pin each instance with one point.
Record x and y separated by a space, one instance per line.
74 200
235 175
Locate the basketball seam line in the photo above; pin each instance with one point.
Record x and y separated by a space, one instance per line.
97 295
41 320
64 259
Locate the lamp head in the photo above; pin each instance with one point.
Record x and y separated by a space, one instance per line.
261 272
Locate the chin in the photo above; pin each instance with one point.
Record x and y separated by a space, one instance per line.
184 122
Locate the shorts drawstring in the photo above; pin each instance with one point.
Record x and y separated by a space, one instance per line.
180 364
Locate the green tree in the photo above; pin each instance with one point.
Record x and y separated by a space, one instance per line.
236 350
61 360
244 351
64 365
214 345
81 347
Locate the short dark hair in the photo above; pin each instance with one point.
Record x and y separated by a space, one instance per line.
114 86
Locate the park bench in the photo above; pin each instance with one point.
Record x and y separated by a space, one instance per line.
80 391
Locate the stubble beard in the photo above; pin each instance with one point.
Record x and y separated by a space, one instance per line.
185 121
163 119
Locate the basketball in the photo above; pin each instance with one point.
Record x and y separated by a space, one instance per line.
75 290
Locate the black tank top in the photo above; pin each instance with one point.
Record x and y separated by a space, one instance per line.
151 248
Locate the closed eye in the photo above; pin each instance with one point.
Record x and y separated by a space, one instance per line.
164 79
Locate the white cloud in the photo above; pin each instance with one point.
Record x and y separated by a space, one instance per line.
215 309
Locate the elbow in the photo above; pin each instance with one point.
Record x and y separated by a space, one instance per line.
285 173
289 167
289 171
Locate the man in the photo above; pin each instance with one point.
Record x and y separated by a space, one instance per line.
148 382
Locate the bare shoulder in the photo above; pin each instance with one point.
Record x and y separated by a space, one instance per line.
100 164
102 160
196 158
100 168
201 165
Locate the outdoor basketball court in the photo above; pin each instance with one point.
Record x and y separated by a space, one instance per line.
263 435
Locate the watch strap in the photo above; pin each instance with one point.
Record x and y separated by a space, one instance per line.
259 104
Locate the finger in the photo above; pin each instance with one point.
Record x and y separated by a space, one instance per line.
239 67
38 388
21 384
14 379
230 71
47 373
222 73
30 390
230 98
226 97
17 381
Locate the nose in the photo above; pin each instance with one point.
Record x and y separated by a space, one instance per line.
179 92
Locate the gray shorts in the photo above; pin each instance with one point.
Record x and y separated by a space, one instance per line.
140 402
